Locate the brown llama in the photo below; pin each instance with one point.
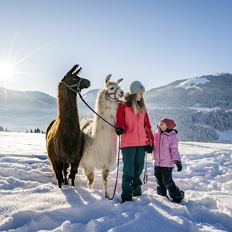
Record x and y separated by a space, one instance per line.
63 135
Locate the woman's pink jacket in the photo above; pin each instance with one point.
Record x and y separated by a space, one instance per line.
137 127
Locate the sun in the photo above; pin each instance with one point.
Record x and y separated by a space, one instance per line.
8 73
7 70
13 67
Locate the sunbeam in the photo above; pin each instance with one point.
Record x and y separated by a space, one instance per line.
11 64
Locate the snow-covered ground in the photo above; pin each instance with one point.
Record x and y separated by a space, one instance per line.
31 201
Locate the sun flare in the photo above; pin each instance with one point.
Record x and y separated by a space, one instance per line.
13 67
7 70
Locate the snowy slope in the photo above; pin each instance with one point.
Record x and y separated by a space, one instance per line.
193 83
31 201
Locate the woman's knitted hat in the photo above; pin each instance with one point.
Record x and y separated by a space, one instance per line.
135 87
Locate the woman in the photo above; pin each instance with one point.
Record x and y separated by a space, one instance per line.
137 137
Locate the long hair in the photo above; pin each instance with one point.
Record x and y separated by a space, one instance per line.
130 100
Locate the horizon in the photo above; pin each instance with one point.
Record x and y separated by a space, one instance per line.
88 90
155 42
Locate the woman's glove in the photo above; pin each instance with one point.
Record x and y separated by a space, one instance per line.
148 148
119 130
178 164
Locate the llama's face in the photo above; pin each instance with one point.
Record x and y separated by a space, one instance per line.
113 90
72 79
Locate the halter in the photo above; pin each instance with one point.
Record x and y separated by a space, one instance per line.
76 86
114 98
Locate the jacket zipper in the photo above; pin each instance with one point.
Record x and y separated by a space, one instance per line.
138 128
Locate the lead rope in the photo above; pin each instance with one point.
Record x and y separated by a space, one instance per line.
94 110
145 176
116 181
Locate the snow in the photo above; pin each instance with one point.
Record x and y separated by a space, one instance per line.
31 200
203 109
193 83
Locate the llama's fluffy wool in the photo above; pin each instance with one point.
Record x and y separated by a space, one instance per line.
99 139
63 135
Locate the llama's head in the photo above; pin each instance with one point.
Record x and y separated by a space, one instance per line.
113 90
73 81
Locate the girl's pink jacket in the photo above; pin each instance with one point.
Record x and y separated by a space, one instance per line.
137 127
165 148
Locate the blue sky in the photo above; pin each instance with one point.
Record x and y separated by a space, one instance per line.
155 42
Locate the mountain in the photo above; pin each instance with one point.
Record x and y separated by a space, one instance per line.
201 107
25 100
25 110
205 91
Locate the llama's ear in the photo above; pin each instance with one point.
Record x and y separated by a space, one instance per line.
108 78
73 69
119 80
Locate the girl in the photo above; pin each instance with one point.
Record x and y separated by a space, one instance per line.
134 125
166 154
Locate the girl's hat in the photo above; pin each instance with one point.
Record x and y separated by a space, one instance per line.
136 87
169 122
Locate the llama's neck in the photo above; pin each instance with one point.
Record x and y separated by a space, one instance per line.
107 109
67 104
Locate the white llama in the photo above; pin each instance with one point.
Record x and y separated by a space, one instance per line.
99 140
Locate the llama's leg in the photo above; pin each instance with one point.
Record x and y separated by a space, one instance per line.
90 180
58 166
90 176
105 174
65 172
73 172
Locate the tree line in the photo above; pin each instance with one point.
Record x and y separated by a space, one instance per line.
195 125
36 130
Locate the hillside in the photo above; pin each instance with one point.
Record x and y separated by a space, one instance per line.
201 106
25 110
210 91
21 111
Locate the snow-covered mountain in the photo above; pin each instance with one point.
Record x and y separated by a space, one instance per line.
21 111
205 91
201 106
25 100
25 110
